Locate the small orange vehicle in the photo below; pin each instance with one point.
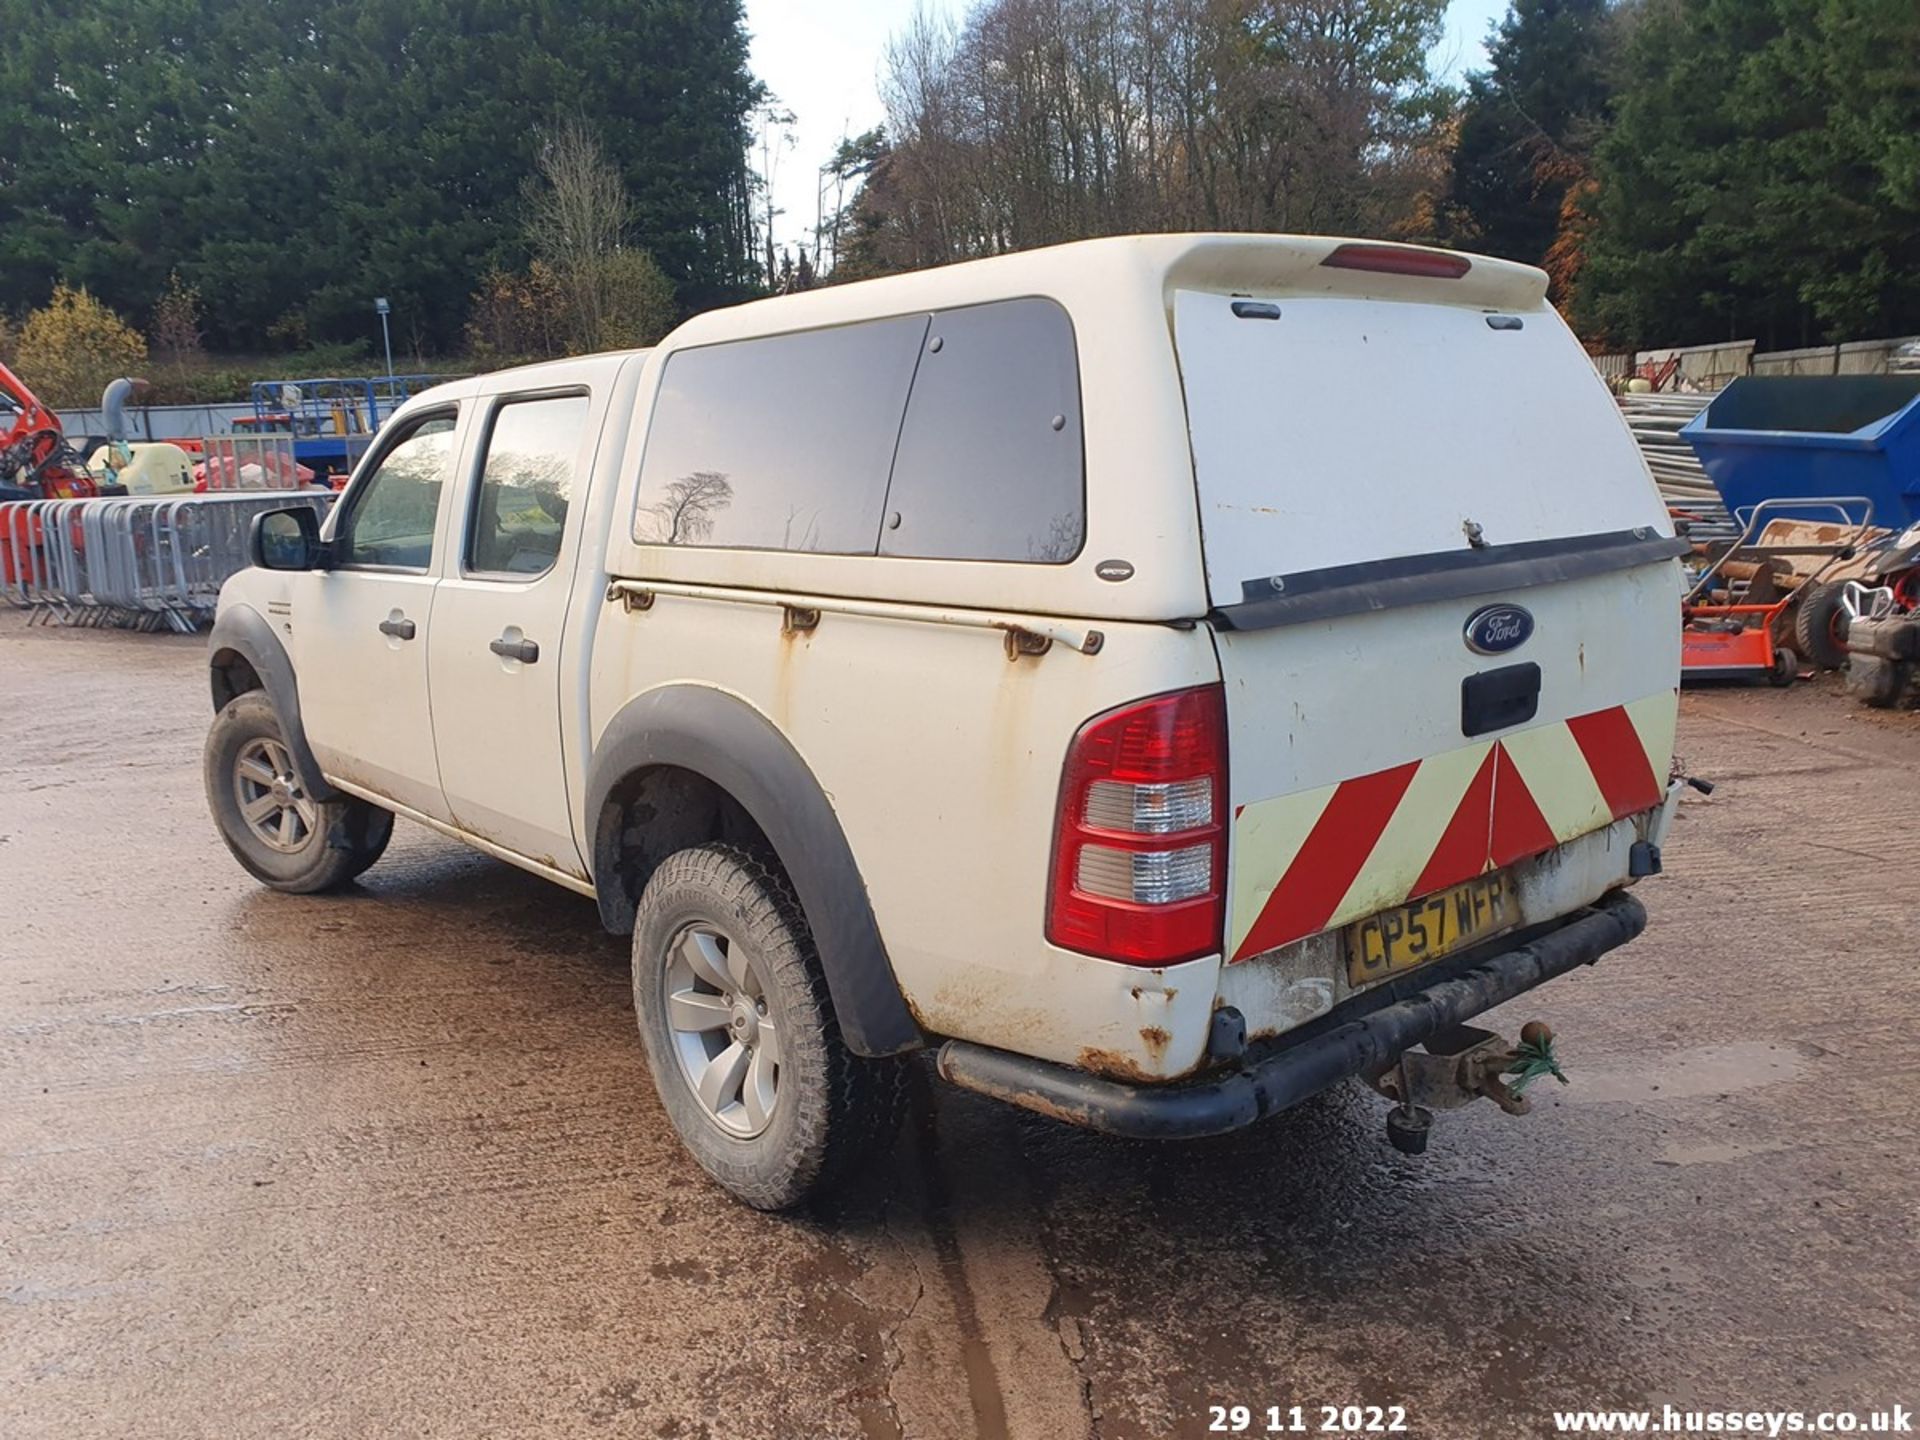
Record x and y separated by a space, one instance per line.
1728 635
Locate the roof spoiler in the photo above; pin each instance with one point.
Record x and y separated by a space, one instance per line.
1266 265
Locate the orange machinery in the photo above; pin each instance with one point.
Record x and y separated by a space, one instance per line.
34 454
1726 634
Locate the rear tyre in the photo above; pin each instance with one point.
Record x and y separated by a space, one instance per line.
283 837
1786 669
741 1036
1820 626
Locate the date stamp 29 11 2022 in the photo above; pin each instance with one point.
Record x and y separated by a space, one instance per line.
1306 1419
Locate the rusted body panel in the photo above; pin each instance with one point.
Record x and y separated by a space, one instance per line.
943 761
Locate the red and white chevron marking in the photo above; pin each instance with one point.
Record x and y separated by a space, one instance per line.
1309 861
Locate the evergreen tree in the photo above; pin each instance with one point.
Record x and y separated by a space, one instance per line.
1528 125
1762 176
292 162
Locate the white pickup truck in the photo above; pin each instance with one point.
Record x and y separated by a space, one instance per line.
1167 675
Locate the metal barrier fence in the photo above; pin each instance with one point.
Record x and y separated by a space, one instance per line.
146 562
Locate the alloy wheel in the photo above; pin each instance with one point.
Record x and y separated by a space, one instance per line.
723 1033
272 803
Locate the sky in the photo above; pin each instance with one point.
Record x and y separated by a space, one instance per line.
822 59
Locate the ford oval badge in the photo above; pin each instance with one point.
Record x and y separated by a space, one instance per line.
1496 629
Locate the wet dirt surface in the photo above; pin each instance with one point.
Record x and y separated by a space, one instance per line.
389 1163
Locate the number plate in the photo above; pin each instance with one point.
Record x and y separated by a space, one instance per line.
1398 940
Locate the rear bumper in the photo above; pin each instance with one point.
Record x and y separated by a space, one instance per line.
1280 1074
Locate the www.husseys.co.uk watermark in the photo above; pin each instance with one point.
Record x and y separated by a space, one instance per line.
1771 1423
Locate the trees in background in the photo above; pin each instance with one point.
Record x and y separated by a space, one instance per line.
176 323
1522 166
291 162
846 171
588 287
71 347
580 224
517 314
1685 170
578 219
1038 121
1761 176
1699 170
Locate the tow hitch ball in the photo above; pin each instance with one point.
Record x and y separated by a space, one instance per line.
1456 1068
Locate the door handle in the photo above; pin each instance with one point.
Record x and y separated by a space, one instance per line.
401 629
525 651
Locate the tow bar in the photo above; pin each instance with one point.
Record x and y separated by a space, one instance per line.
1457 1067
1274 1075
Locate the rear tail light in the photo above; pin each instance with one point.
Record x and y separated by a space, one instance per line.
1139 851
1400 260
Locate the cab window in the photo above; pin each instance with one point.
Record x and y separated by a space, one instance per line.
391 516
526 482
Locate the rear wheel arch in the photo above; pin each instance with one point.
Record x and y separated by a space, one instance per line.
650 814
688 765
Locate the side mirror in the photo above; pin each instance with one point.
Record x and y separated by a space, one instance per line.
288 540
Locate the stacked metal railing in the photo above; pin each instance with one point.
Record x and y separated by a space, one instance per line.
1656 421
144 562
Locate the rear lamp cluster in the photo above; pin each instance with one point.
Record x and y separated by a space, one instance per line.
1139 856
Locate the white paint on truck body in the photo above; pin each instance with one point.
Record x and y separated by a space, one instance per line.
1353 443
1375 418
1353 430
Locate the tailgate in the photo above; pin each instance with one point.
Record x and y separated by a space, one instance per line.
1445 600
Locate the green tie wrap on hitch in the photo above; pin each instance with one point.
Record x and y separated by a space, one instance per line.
1534 1057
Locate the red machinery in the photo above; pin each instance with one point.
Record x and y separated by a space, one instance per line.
1658 372
34 453
1882 643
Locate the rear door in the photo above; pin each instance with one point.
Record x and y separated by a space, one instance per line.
1444 594
494 664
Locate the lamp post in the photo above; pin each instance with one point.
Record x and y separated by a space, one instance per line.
381 308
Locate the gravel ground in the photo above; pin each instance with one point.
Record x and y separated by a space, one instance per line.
389 1163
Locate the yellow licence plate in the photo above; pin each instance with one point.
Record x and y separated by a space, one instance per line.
1404 939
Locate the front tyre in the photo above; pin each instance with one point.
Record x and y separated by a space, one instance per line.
741 1036
283 836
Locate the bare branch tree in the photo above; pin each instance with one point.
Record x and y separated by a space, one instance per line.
684 514
578 216
1039 121
776 137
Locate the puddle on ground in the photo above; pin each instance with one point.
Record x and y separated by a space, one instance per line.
1714 1152
1690 1074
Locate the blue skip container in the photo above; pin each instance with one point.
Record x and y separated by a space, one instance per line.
1770 437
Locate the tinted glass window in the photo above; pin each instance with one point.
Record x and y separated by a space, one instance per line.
394 509
778 444
520 510
990 464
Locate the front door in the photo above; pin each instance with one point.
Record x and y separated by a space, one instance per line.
494 661
360 627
